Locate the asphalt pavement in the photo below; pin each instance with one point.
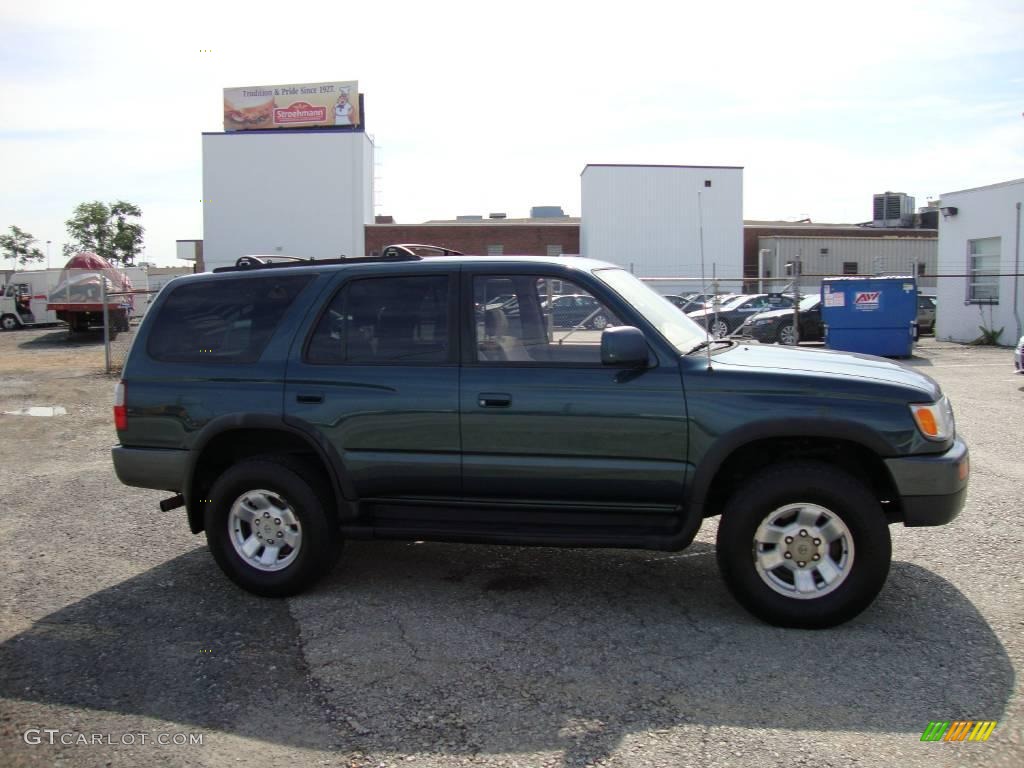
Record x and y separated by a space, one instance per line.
117 628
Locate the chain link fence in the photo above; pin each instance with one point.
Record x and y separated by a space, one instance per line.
716 301
123 311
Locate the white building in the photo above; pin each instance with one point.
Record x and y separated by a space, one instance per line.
656 220
979 246
302 193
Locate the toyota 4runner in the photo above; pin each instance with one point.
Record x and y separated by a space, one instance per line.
292 406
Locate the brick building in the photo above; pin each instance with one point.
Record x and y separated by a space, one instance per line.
495 237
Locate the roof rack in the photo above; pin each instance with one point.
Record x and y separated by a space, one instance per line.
395 252
410 249
245 263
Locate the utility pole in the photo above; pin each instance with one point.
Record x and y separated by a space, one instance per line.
797 269
47 254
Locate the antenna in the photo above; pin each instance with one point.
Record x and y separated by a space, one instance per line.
700 231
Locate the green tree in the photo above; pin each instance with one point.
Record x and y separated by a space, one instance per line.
20 246
111 231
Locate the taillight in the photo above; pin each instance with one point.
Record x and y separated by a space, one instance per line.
120 411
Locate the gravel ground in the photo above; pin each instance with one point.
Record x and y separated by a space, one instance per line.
115 621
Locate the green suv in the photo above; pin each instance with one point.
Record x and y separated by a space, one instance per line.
292 406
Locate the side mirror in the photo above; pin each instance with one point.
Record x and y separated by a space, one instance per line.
624 347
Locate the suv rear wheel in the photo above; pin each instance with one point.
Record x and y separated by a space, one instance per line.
270 527
804 545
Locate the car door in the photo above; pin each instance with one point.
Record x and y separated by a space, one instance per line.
378 377
544 422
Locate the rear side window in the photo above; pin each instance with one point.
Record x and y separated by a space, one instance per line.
385 320
226 321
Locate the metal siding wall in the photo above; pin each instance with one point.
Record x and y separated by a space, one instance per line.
305 192
647 217
872 254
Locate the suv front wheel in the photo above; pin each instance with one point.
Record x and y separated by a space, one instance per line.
270 528
804 544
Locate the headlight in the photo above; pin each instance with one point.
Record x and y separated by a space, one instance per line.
763 321
935 420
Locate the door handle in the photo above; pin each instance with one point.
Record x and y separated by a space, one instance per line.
494 400
309 398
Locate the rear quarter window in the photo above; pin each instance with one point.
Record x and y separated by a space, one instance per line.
224 321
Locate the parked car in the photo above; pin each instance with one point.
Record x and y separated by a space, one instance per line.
734 312
690 302
776 325
925 314
289 407
568 311
1018 356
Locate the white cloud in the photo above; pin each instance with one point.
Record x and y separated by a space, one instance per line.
501 110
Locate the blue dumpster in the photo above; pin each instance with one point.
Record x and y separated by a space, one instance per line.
873 315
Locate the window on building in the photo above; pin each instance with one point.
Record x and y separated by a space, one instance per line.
983 270
495 250
922 269
385 320
554 250
824 251
850 268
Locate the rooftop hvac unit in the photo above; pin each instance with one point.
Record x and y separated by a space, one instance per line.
547 212
893 209
498 216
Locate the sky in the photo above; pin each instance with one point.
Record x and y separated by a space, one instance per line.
478 107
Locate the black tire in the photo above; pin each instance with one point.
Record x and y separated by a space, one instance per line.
841 495
599 322
720 328
8 322
307 496
783 332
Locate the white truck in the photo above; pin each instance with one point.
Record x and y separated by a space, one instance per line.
78 297
23 298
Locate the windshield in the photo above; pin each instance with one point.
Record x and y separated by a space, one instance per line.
681 331
733 301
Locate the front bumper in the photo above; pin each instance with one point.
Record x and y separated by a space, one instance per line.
162 469
932 488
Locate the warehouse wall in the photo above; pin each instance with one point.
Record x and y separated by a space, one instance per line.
754 233
649 218
981 213
308 193
827 256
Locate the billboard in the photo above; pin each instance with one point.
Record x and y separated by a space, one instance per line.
305 105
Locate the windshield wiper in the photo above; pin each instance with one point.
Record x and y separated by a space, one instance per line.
706 343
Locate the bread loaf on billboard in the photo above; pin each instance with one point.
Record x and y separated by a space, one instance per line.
248 111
